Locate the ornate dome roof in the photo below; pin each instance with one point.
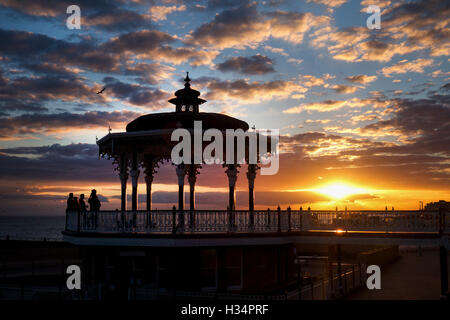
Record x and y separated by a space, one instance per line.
173 120
187 101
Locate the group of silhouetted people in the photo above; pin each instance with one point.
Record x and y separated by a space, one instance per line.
75 204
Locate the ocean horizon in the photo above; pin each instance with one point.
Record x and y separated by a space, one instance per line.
32 227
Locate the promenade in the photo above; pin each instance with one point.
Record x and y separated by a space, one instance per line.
412 277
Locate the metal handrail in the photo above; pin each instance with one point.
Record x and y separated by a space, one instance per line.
256 221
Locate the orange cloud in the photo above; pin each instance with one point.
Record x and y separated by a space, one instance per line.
161 12
405 66
327 105
361 78
245 91
329 3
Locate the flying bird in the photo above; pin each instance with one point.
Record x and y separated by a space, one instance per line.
101 91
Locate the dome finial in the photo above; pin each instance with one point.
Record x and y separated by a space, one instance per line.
187 79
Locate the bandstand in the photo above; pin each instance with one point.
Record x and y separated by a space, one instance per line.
222 251
147 143
145 253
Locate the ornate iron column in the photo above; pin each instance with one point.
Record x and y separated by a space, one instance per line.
134 172
123 174
150 166
251 175
180 169
148 198
232 172
193 170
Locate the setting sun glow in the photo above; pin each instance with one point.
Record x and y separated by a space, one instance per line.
339 190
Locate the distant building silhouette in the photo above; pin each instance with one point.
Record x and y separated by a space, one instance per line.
432 206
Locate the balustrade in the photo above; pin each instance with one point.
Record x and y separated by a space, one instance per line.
256 221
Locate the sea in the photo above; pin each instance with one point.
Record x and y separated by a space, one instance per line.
32 227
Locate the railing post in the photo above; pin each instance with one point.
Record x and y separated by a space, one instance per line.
289 218
441 220
360 274
231 220
268 218
78 221
174 218
353 276
339 266
301 218
331 278
443 270
279 218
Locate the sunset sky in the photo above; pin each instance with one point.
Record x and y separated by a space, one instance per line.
364 114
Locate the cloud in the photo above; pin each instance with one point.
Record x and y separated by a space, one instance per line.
405 66
220 4
21 106
117 20
23 90
73 162
406 27
28 48
149 73
329 3
326 105
135 94
361 78
379 3
153 44
246 27
423 123
342 88
161 12
61 122
70 150
243 26
312 81
292 26
246 91
254 65
293 60
53 8
102 14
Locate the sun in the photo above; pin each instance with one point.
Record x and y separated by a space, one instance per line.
339 190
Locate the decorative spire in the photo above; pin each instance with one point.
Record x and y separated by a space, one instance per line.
187 99
187 80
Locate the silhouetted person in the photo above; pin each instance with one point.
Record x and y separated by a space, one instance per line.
94 202
76 205
94 205
83 210
70 206
82 204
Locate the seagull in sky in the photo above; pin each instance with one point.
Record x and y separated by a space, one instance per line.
101 91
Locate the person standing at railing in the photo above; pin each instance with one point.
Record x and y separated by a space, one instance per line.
70 203
83 208
76 205
82 204
94 205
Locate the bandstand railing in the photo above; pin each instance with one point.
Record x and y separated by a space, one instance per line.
257 221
